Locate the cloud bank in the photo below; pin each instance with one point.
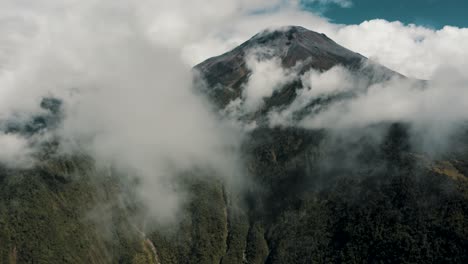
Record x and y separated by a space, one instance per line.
127 97
15 151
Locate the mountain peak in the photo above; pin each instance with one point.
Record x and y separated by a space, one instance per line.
294 46
295 43
291 33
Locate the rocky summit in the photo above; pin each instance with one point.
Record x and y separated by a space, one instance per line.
292 45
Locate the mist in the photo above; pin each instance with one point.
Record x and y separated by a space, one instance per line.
127 100
16 151
434 109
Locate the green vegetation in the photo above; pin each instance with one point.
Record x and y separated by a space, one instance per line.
311 203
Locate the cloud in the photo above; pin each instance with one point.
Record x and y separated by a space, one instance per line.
15 151
314 85
267 77
128 99
441 100
435 110
335 80
412 50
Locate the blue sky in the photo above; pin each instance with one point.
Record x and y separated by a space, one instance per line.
429 13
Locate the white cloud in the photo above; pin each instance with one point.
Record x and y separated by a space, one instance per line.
434 110
15 151
267 77
335 80
128 97
315 85
415 51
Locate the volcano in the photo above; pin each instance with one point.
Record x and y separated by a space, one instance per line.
292 45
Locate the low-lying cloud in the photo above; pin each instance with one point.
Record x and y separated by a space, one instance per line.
345 100
127 98
16 151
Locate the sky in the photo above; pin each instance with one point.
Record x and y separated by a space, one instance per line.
429 13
